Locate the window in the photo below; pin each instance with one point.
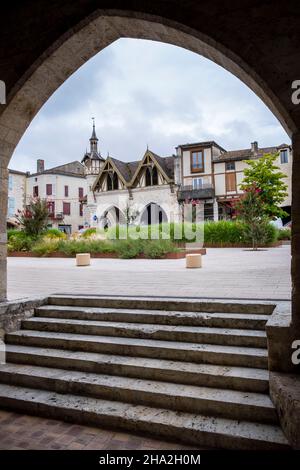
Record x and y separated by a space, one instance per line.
112 181
230 182
197 183
230 166
66 208
49 189
197 161
80 193
51 207
66 191
10 182
11 206
80 210
35 191
284 158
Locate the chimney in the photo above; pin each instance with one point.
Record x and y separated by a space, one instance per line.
254 147
40 165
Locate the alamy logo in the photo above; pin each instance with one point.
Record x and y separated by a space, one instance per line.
296 93
2 92
296 354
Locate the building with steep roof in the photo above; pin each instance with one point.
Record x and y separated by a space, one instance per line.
153 189
203 173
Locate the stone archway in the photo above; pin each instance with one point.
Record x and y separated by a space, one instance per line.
91 31
112 216
153 214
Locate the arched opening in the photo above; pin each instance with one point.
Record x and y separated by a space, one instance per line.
109 184
112 181
50 71
115 181
111 217
154 176
153 214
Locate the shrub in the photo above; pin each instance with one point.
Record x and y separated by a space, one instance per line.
158 248
55 233
46 246
19 241
224 232
34 218
71 247
11 232
89 232
127 249
284 234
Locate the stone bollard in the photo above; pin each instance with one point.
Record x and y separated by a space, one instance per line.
83 259
193 260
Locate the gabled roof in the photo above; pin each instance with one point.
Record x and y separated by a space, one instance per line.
119 167
165 165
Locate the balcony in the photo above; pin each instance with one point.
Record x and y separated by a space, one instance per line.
58 216
205 191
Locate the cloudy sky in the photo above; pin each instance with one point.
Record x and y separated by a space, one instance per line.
146 93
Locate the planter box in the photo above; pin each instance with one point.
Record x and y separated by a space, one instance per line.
174 255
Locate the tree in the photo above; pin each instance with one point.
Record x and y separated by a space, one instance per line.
34 218
267 179
251 211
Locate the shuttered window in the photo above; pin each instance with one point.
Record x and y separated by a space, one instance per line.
230 182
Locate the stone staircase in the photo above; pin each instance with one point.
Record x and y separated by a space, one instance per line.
190 371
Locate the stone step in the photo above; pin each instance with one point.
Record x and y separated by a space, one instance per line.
192 334
235 378
157 349
204 400
167 304
157 317
195 429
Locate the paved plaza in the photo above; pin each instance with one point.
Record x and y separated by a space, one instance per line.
23 432
226 273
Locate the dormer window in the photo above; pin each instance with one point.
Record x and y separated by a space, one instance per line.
284 156
197 161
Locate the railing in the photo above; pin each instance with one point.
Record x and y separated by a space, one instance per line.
204 191
58 216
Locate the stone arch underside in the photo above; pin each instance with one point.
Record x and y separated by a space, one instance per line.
91 35
71 52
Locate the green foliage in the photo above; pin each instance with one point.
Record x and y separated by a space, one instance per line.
34 218
251 212
158 248
11 232
268 180
127 249
89 232
20 241
55 233
224 232
71 247
284 234
45 246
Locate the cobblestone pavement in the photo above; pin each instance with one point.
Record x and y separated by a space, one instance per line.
23 432
226 273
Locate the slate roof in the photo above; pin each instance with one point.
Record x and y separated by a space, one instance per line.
247 154
69 169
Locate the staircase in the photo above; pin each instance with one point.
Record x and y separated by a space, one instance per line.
194 372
